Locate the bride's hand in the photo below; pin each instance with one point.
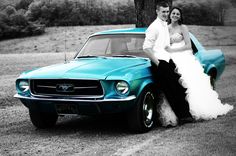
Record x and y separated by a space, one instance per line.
168 48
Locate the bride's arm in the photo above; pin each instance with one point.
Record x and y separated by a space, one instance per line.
187 41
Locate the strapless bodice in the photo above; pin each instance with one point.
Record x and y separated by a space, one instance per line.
176 37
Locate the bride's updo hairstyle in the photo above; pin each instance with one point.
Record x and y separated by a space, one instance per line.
180 21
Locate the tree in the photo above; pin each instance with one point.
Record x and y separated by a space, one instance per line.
146 11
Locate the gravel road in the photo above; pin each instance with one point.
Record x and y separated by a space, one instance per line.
80 135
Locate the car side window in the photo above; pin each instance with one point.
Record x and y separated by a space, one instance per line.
136 44
125 45
118 45
194 48
96 47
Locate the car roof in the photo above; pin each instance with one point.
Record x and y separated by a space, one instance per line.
136 31
124 31
121 31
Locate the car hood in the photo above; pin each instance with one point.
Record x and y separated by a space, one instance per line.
89 68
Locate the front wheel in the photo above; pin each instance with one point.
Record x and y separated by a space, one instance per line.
141 118
43 120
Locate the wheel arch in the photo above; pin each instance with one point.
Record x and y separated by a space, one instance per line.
213 76
145 84
212 72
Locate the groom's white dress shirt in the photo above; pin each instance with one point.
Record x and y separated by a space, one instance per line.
157 38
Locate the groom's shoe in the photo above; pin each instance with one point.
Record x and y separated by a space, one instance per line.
186 120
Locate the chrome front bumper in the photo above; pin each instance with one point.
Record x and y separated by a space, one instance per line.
129 98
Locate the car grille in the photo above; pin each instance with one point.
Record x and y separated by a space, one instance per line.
66 87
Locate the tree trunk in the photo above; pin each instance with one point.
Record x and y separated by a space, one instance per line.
146 11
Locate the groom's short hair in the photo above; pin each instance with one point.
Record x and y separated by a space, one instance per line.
162 4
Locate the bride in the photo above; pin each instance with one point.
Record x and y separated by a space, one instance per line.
204 103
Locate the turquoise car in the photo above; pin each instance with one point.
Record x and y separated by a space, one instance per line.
110 74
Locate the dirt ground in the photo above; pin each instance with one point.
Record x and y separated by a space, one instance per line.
80 135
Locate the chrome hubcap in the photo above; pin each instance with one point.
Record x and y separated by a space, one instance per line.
148 104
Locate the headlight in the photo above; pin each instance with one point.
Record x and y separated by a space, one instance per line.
23 85
122 87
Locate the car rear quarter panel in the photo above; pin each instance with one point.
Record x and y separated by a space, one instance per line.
209 58
213 59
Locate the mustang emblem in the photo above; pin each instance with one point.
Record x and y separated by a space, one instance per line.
65 88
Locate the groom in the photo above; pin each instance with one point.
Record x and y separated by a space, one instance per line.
163 68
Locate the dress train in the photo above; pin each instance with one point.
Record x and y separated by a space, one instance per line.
204 102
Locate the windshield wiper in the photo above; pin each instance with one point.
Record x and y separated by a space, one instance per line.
136 49
89 56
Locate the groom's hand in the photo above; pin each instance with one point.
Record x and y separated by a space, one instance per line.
150 54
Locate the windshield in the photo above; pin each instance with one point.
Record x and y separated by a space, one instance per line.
113 45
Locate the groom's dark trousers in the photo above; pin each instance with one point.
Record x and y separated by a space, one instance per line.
168 80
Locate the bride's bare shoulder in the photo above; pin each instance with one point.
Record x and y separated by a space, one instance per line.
184 27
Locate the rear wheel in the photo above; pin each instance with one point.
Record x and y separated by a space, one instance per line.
213 80
212 74
141 118
43 120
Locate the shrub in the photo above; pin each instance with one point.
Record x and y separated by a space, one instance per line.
89 12
18 20
23 4
202 12
34 29
16 25
9 10
125 13
34 11
21 11
4 18
4 22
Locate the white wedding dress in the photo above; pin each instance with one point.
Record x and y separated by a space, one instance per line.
204 102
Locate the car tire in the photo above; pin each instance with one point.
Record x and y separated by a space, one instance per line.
213 80
141 117
43 120
212 74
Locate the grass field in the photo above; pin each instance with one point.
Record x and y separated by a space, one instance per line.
70 39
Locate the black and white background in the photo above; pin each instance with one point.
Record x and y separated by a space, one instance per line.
109 136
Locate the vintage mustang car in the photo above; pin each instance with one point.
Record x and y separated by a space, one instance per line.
110 74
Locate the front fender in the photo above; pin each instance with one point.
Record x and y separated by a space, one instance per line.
139 85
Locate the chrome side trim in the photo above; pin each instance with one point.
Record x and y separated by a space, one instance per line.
129 98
